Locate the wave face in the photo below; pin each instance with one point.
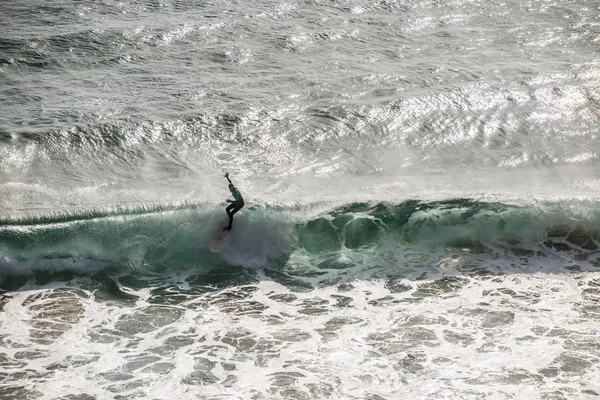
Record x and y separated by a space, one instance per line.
413 236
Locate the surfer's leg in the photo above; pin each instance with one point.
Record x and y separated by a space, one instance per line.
233 211
229 208
230 213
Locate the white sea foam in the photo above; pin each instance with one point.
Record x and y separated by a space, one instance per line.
515 335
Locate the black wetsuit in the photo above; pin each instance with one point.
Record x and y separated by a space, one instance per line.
235 206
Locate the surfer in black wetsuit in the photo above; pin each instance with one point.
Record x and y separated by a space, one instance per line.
236 204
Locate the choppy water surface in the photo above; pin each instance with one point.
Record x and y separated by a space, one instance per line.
422 191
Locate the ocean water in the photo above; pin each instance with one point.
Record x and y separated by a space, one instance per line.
422 186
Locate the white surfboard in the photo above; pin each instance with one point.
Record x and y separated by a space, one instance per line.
219 239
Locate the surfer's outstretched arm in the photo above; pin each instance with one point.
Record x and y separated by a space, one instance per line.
227 176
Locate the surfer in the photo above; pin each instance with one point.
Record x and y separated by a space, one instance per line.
236 204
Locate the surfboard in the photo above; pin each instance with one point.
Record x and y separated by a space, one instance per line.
219 239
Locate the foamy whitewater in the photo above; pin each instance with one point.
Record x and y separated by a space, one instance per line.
422 187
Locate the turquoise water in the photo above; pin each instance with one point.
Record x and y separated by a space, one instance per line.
149 242
421 184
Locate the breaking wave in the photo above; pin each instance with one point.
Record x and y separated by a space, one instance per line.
410 236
